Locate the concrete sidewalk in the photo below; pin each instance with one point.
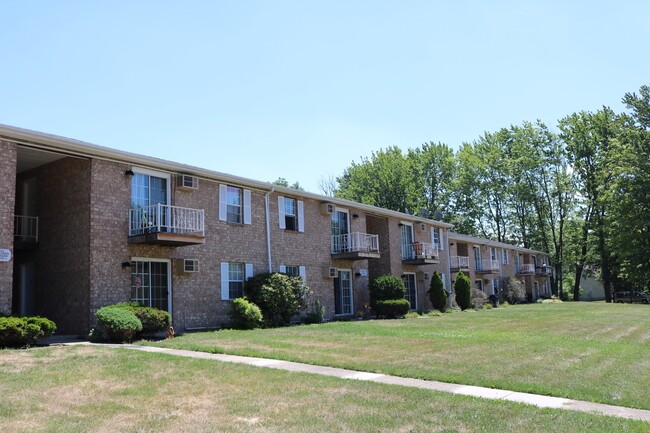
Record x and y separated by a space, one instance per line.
473 391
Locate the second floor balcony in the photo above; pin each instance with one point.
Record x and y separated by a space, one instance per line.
544 270
166 225
487 266
420 253
355 246
525 269
459 263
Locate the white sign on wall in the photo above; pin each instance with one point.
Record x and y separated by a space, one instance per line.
363 272
5 255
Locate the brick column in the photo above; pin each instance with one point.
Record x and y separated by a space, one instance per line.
8 158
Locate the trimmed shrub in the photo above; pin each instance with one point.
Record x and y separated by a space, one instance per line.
244 314
478 298
46 326
316 314
279 296
17 332
512 290
153 319
392 308
385 288
437 294
118 324
462 287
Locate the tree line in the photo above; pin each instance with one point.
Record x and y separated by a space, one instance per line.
580 191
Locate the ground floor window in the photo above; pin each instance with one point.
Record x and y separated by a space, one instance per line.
411 293
150 283
235 280
479 285
495 286
343 292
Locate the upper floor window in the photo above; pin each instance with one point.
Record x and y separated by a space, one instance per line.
234 204
435 237
504 257
493 253
149 188
291 214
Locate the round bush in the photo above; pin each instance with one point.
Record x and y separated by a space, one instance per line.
244 314
463 287
392 308
117 323
384 288
437 294
46 326
153 319
278 296
17 332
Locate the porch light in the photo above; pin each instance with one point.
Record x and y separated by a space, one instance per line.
355 216
126 265
129 173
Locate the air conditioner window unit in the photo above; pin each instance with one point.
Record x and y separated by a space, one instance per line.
187 182
190 265
327 208
331 272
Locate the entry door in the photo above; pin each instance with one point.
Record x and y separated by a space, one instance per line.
477 259
343 292
408 251
340 228
411 293
150 284
148 190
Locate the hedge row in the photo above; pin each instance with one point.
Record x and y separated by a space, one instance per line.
24 331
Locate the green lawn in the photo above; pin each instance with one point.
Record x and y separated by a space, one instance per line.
588 351
95 389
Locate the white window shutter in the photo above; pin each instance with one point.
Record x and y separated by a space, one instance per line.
247 206
444 281
303 273
433 235
249 270
442 240
281 220
223 201
225 282
283 269
301 216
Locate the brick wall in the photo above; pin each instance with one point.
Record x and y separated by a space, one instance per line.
62 278
8 158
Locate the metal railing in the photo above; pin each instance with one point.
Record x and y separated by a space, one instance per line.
355 243
419 250
26 228
159 218
544 270
487 265
526 268
459 262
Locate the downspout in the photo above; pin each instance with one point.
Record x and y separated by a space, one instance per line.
451 289
268 227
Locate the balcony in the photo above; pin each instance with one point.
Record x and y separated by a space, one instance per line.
355 246
544 271
25 231
166 225
420 254
459 263
526 269
487 267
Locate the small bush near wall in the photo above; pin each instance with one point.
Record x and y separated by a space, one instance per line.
23 331
117 324
437 294
392 308
279 296
478 298
512 291
153 320
245 315
316 313
462 287
384 288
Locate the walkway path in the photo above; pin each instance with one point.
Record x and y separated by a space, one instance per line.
474 391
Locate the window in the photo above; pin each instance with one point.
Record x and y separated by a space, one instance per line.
408 252
148 188
493 253
435 237
479 284
234 204
504 257
233 276
340 231
343 292
294 271
411 290
290 213
477 258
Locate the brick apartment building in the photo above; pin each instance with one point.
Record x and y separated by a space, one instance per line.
83 226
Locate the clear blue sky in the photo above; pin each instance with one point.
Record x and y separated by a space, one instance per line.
299 89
